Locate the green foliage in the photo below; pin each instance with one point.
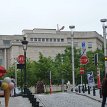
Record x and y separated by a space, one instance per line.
60 67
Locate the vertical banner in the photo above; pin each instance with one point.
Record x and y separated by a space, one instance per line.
90 79
98 78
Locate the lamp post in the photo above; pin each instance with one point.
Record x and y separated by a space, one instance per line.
62 79
104 36
72 51
24 43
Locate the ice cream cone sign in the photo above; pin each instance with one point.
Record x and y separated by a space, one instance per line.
7 86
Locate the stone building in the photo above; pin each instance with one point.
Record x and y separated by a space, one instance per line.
47 41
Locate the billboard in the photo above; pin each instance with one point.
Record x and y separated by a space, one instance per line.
90 78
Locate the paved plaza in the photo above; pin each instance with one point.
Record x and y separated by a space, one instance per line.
16 102
67 100
58 100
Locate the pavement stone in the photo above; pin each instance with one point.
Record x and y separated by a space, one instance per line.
67 100
96 97
16 102
60 98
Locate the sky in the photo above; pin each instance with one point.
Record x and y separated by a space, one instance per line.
85 15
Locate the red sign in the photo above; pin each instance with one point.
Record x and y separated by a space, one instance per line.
21 59
84 60
2 71
81 70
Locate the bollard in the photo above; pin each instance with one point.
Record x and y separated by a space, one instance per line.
94 93
83 89
79 89
37 104
29 95
88 89
34 102
31 98
100 93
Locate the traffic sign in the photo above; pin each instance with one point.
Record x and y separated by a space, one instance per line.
105 58
83 45
84 60
81 71
21 59
83 49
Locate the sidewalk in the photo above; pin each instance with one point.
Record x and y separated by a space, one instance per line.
16 102
96 97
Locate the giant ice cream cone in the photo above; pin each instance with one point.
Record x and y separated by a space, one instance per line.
7 96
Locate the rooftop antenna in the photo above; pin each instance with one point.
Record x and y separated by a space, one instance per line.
57 27
60 28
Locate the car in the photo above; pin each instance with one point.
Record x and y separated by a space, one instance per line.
17 90
81 87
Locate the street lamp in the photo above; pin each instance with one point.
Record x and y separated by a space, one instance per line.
62 79
72 51
24 43
104 36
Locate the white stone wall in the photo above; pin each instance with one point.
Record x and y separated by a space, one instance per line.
55 88
47 48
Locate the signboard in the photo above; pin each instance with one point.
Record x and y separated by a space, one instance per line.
21 59
90 79
81 71
20 66
83 49
83 44
84 60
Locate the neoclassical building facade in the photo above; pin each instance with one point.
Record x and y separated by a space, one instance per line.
47 41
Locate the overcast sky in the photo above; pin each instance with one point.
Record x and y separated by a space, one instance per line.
16 15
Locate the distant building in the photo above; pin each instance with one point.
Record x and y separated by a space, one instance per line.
47 41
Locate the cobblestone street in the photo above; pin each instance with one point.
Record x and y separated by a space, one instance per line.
16 102
67 100
56 100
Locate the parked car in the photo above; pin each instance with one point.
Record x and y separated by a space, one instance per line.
81 87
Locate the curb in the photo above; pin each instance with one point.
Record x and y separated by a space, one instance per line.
90 97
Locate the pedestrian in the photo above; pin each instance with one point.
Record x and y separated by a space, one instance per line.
104 91
13 92
40 87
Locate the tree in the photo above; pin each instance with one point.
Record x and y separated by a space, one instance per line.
60 67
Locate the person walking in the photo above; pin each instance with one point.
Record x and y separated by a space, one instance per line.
104 91
13 92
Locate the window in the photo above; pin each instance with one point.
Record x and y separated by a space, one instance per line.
89 44
35 39
62 40
39 39
43 39
69 40
47 39
54 39
50 39
17 40
31 39
75 44
58 40
6 42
